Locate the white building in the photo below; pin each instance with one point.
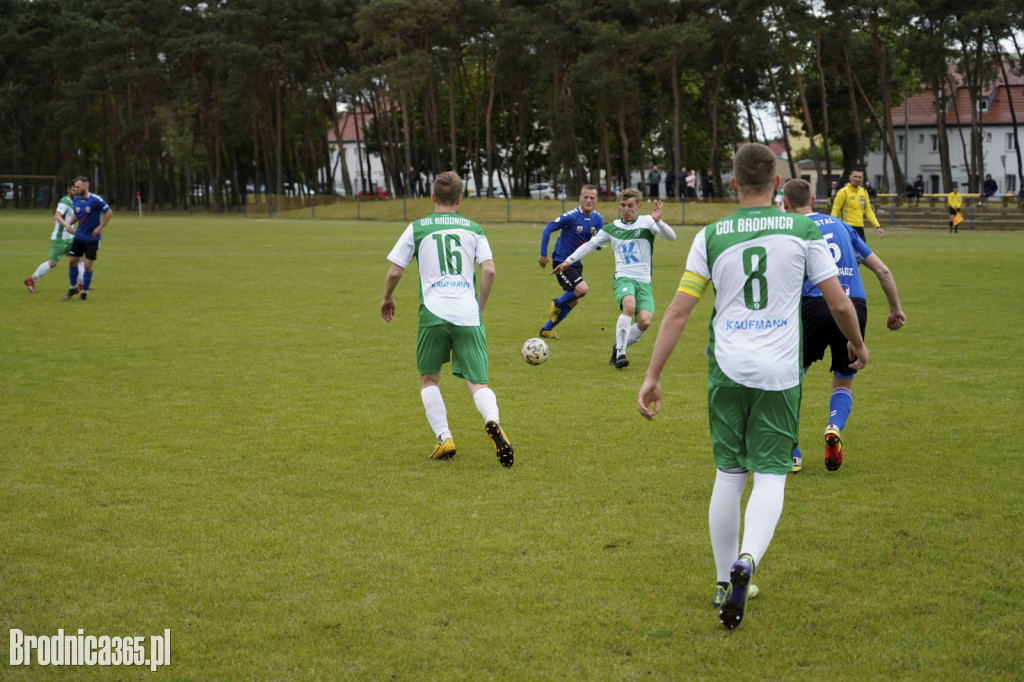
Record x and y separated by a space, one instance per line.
917 137
365 171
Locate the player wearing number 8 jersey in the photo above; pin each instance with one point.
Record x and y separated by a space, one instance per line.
448 248
756 259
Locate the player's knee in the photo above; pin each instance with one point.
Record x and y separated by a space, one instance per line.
581 290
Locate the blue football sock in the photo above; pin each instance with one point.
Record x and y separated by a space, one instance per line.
566 298
548 325
840 407
87 279
563 311
73 276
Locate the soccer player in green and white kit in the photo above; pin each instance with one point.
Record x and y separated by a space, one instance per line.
446 245
60 240
756 260
632 239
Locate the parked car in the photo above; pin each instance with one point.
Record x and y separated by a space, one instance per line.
378 192
542 190
498 193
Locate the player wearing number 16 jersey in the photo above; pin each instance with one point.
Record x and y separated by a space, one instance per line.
819 328
447 248
756 260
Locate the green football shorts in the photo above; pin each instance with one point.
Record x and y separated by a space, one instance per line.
754 429
465 346
59 248
641 291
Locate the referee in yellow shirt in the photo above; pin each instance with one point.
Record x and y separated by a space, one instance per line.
852 205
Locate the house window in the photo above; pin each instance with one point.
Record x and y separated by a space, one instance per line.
983 105
1010 146
899 143
988 137
935 143
1010 183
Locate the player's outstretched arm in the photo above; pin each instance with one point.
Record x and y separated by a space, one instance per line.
673 323
595 242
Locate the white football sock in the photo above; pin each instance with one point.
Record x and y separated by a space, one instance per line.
437 414
622 332
764 508
486 404
634 335
81 270
41 270
724 520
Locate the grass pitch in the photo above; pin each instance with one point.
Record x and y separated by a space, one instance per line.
227 441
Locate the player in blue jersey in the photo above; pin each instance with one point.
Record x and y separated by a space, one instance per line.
91 215
820 330
576 228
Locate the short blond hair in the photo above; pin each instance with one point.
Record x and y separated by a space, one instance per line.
629 193
448 188
754 167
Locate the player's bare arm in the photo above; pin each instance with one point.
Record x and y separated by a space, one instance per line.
103 223
673 323
896 318
487 274
387 304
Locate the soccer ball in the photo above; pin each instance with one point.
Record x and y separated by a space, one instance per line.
535 351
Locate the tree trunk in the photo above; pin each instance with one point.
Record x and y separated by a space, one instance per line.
824 108
782 122
853 105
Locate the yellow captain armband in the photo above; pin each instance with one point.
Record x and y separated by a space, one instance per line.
693 284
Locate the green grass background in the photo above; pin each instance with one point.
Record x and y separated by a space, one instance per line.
226 440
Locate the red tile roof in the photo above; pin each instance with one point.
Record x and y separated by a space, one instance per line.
919 109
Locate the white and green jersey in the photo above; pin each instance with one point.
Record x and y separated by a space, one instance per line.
756 259
66 207
446 245
632 243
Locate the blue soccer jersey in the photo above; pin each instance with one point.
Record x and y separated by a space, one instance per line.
847 249
576 229
90 212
